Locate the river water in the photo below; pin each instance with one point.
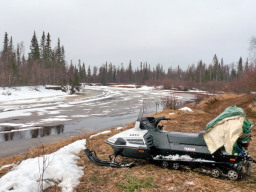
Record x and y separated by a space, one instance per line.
94 109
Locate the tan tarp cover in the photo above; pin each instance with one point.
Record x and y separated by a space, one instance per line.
224 133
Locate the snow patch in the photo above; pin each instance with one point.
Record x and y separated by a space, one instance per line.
62 116
62 167
53 112
5 166
100 133
17 113
171 113
55 119
174 157
79 116
185 109
180 158
64 105
118 128
26 93
190 183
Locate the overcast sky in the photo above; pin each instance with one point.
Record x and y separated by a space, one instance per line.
169 32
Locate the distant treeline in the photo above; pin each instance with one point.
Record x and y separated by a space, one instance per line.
47 65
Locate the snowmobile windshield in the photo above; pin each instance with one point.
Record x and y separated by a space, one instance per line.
149 108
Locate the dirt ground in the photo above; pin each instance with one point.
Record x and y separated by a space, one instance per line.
148 176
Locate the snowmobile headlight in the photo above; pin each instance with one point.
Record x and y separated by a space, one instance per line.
136 141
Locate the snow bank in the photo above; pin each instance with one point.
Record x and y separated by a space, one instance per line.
27 92
62 168
185 109
100 133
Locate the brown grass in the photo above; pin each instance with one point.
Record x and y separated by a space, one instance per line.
98 178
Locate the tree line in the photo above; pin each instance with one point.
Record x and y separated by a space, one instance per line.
46 65
238 77
43 65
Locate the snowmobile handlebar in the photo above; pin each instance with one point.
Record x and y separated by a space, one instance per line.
151 122
163 118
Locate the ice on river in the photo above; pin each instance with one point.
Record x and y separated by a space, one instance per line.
94 108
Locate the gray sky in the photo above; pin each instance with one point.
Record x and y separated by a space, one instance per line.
169 32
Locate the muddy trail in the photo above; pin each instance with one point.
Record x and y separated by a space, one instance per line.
151 177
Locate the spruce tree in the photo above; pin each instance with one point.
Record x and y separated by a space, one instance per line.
129 70
12 57
6 43
240 67
10 46
215 63
42 46
114 74
58 52
34 48
18 56
89 74
4 56
48 49
62 59
83 73
246 68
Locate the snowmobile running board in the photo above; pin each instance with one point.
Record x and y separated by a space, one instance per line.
93 157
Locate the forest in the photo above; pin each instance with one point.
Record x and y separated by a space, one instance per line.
46 65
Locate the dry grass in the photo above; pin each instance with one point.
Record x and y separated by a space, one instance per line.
98 178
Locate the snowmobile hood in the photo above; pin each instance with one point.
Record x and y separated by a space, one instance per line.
130 136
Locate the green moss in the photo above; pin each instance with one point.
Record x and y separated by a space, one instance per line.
94 179
133 183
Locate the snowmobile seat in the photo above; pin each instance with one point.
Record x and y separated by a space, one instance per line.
187 138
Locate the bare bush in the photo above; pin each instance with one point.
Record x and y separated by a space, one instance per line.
43 163
170 102
199 97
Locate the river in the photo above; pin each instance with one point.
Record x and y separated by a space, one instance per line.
93 109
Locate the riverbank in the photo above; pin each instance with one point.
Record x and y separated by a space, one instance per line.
97 178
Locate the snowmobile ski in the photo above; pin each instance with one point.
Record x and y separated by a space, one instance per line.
93 157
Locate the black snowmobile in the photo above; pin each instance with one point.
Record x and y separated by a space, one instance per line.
147 140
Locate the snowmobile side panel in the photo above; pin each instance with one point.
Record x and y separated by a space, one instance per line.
160 140
136 153
186 138
189 148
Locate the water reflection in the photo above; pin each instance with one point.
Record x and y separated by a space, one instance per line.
47 130
8 137
35 133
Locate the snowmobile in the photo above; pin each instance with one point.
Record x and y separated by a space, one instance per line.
147 140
